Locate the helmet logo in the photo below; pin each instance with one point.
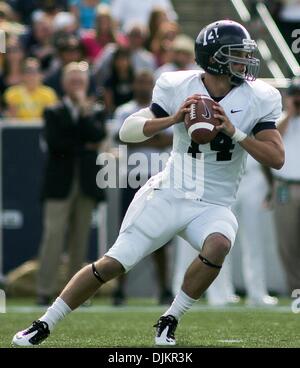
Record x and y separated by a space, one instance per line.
211 36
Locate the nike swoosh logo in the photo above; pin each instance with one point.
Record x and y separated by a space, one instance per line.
207 114
234 111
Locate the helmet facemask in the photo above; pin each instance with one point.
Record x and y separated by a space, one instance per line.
227 55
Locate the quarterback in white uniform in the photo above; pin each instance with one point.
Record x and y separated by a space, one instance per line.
192 196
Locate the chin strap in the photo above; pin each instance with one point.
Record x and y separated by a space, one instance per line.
208 263
97 275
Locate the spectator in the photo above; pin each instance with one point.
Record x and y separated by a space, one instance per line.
85 12
105 33
38 40
69 49
161 45
141 58
183 56
74 128
27 100
118 86
142 89
127 12
286 189
12 64
65 22
156 18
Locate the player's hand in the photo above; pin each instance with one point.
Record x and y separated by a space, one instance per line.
226 125
185 108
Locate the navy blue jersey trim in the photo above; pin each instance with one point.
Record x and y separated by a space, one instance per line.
158 111
263 125
217 99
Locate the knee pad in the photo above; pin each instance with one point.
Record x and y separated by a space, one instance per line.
97 275
208 263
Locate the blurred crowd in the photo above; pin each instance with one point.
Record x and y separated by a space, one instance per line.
117 38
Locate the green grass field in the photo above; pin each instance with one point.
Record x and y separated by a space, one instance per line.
101 325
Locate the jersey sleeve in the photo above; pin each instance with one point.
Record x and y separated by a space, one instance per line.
162 97
270 111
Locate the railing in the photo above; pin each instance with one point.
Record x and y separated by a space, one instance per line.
278 38
276 35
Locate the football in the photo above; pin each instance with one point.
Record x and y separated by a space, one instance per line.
200 121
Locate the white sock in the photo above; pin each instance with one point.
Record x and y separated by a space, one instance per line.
58 310
181 304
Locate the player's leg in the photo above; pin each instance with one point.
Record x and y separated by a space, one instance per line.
81 287
198 277
213 231
206 267
221 291
119 294
139 237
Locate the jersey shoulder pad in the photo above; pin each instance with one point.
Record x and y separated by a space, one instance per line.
263 91
175 79
267 100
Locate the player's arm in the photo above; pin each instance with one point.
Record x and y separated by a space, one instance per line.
144 124
267 146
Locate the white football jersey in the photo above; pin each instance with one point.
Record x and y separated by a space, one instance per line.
214 175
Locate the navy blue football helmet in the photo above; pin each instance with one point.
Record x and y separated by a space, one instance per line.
220 44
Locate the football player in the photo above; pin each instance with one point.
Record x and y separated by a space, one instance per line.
198 210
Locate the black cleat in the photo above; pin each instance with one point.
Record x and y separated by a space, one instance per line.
33 335
165 329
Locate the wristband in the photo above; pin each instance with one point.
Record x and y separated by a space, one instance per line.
238 136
